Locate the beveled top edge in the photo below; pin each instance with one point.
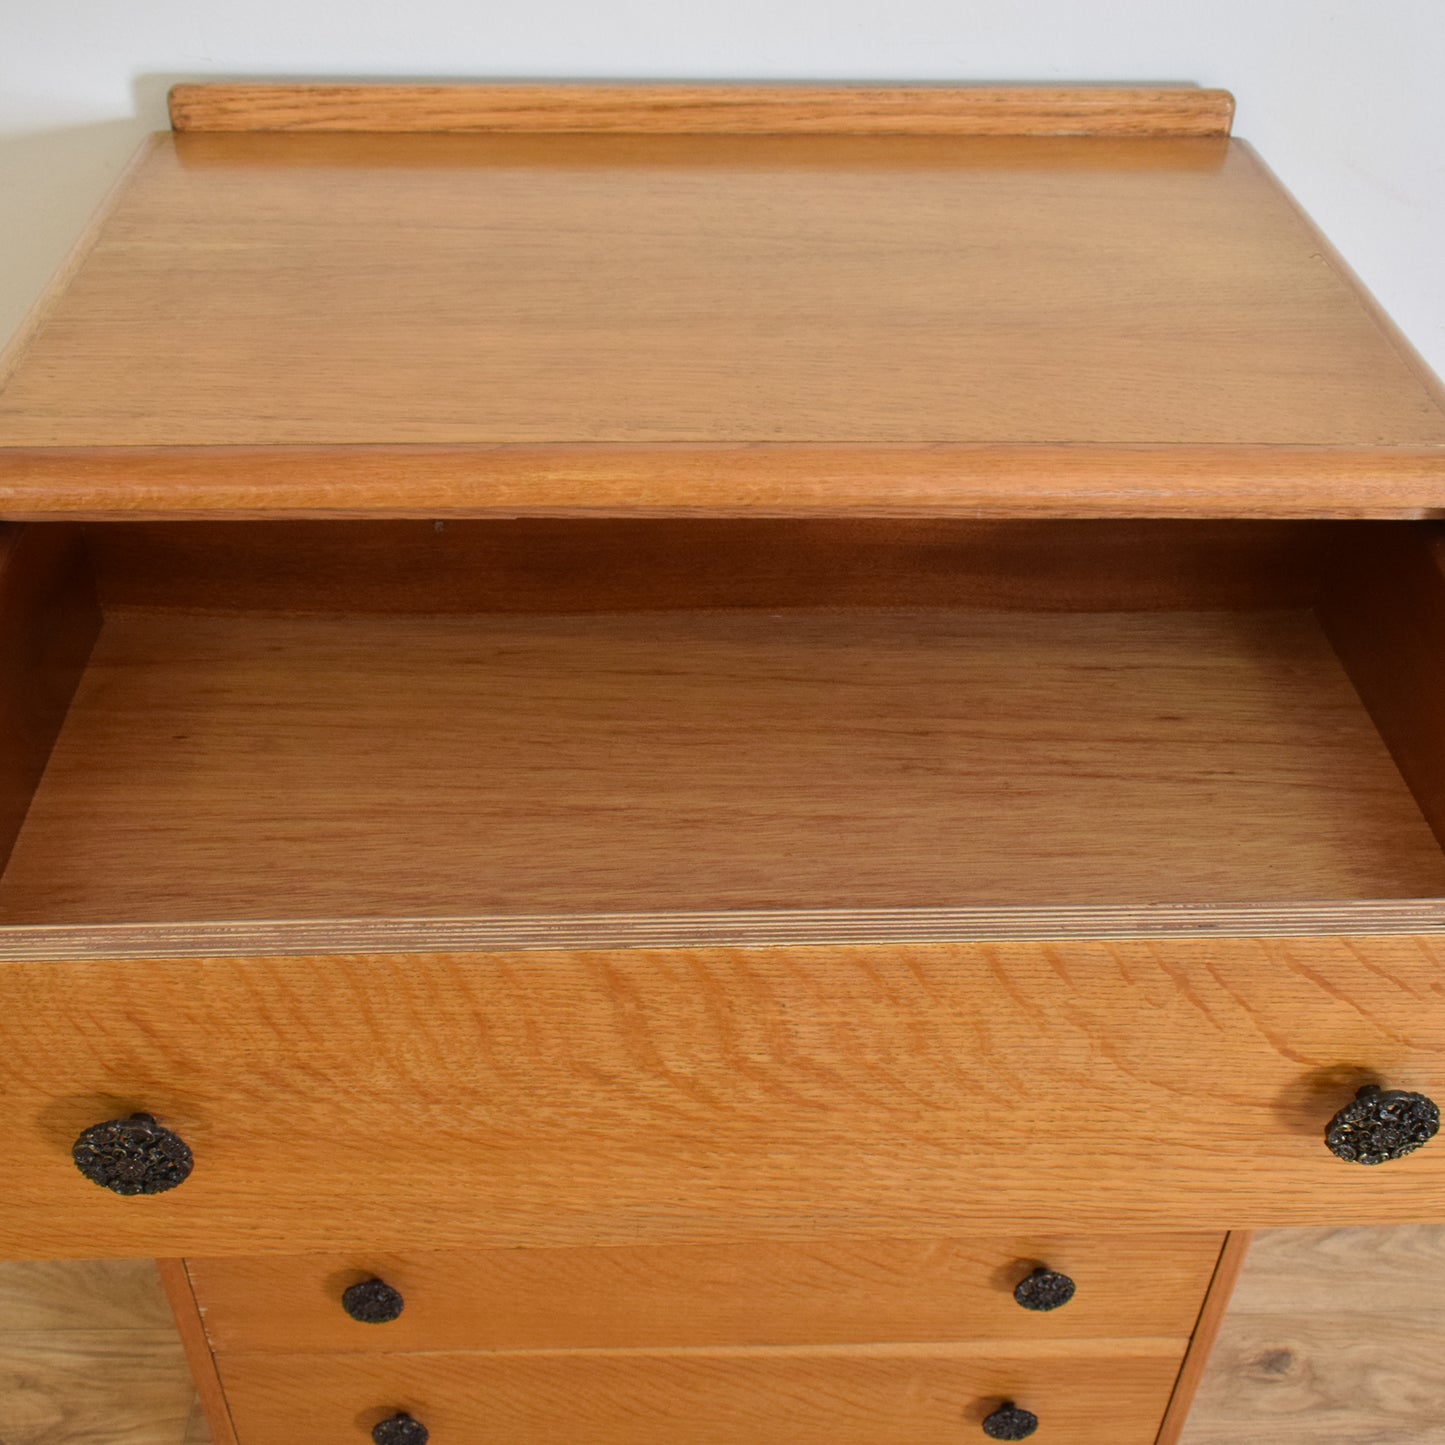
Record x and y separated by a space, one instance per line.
721 480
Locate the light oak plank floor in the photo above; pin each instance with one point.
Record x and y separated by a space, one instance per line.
89 1356
1335 1338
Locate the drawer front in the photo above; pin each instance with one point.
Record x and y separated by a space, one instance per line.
827 1291
1113 1393
638 1096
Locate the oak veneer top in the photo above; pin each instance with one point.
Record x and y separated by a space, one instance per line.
427 323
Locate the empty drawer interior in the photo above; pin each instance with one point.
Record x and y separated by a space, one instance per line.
414 719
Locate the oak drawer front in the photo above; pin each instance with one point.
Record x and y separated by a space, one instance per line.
825 1291
1105 1393
615 1098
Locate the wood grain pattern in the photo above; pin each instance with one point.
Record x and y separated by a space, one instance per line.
186 1316
198 1432
53 1296
759 480
1384 610
731 928
1330 1283
94 1387
817 1292
1348 1379
1398 1271
707 109
1230 1264
1112 1393
779 315
612 565
639 1097
1397 338
250 767
88 1353
48 624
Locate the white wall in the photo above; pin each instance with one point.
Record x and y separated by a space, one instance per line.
1344 97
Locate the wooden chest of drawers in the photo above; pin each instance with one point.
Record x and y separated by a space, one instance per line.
668 754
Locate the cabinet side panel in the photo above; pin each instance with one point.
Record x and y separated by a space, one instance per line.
1384 612
48 623
176 1281
1206 1332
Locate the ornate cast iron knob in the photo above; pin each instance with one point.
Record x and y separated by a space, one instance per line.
1008 1422
133 1156
1382 1124
1044 1290
401 1430
373 1302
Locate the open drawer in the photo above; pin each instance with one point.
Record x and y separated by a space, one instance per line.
572 882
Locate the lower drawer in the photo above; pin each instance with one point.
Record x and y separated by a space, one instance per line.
1100 1393
826 1291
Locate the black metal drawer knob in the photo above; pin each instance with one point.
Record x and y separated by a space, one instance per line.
400 1430
133 1156
1379 1125
373 1302
1008 1422
1044 1290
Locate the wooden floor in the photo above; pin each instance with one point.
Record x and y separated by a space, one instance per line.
89 1356
1334 1339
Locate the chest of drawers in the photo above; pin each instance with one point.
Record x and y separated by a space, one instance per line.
713 766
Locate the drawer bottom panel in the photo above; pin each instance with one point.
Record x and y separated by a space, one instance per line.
1106 1392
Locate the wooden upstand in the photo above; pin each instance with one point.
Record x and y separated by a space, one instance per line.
694 766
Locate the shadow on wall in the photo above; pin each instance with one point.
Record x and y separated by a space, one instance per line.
52 182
